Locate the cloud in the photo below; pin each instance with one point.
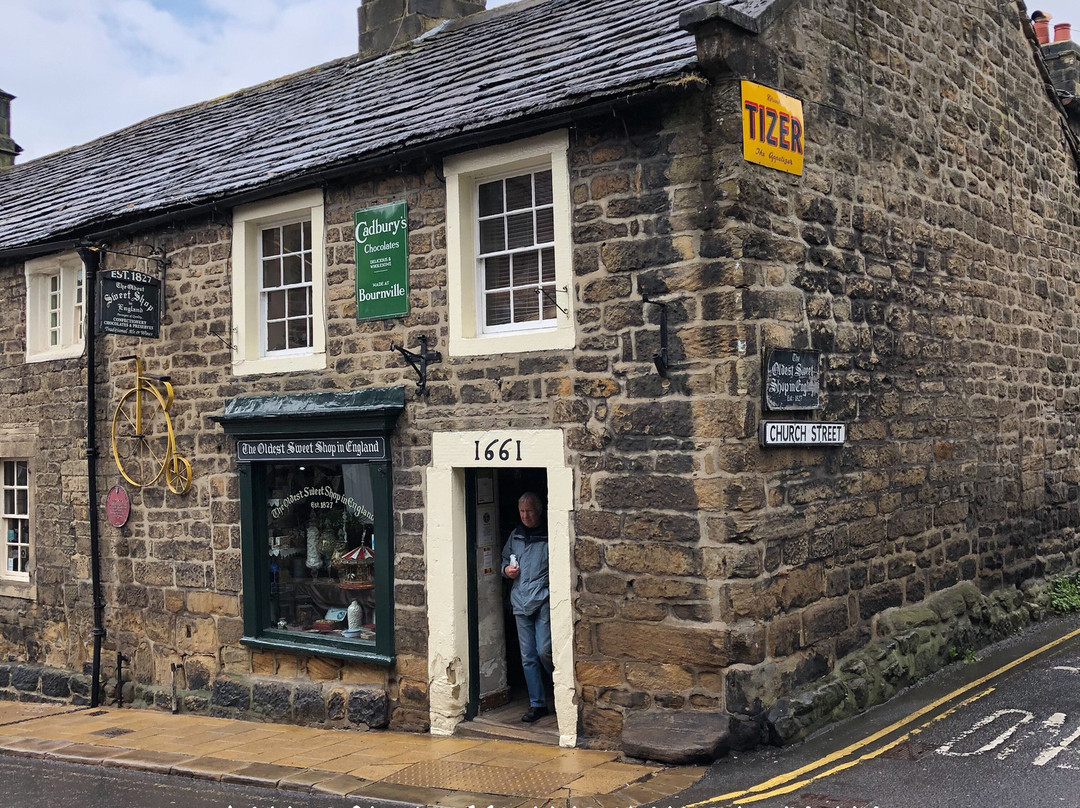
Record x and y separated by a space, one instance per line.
82 70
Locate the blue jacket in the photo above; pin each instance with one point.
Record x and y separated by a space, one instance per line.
530 589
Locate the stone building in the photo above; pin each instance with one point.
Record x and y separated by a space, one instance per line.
527 251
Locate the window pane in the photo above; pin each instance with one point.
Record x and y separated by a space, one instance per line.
292 270
526 269
492 236
497 272
526 306
548 298
548 263
498 308
298 333
21 472
520 230
275 336
271 241
271 273
9 472
275 306
490 198
292 237
322 541
306 226
543 187
307 267
9 502
519 192
22 504
545 226
298 302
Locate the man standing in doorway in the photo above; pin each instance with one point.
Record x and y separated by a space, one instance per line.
525 562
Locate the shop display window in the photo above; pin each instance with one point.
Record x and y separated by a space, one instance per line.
316 525
322 537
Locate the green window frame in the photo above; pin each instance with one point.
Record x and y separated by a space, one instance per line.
330 418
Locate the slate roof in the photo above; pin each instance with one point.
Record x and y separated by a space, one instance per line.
511 63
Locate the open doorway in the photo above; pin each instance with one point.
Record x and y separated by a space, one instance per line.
454 455
498 693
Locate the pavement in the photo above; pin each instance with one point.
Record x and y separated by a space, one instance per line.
377 765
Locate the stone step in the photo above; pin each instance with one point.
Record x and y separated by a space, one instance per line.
545 731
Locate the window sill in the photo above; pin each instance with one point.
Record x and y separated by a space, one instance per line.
513 342
69 352
327 648
279 364
15 588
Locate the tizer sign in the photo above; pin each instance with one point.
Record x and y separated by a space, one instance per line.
773 133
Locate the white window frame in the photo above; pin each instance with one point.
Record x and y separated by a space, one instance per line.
55 284
19 444
249 321
464 173
10 519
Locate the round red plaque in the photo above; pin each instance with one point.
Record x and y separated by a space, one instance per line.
117 506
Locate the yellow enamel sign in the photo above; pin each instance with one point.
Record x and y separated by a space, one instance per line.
773 133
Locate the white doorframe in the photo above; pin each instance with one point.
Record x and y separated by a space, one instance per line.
447 564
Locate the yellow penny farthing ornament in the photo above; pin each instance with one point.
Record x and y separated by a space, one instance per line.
143 442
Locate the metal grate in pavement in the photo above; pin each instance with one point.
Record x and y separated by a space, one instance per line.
112 732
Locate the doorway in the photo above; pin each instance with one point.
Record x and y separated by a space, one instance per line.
498 695
513 461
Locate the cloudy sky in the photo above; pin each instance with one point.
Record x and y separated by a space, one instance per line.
83 68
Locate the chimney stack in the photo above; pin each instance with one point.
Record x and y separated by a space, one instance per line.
1063 32
8 147
1041 21
388 24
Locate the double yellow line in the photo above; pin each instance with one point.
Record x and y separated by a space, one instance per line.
862 750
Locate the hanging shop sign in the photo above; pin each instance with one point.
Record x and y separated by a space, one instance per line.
792 379
340 449
773 133
128 303
801 433
382 261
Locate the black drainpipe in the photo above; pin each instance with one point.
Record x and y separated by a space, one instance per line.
91 260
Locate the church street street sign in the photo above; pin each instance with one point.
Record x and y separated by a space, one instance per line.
801 433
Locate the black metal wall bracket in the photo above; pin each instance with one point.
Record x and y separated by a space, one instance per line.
419 361
660 359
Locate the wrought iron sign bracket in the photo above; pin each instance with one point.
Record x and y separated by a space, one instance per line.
660 359
419 362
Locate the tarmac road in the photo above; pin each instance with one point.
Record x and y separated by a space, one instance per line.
30 783
1002 732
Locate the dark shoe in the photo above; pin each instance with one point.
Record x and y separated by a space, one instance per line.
534 714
